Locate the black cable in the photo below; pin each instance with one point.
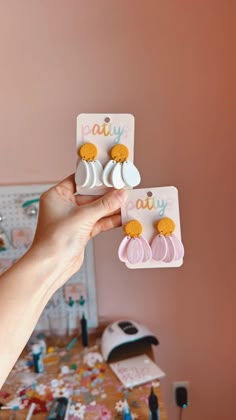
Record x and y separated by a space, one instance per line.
154 415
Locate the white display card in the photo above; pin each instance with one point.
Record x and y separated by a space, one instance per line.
104 131
136 371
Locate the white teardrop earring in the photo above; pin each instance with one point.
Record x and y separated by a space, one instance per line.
89 169
120 172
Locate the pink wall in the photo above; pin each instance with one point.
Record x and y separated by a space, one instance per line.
170 63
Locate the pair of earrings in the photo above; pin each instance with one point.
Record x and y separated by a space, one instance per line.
119 172
165 246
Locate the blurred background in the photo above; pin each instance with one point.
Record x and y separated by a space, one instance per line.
172 64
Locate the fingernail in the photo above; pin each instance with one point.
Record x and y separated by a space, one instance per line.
122 195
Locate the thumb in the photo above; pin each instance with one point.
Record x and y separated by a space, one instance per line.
107 204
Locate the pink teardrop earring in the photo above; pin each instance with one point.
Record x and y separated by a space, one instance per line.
166 246
134 248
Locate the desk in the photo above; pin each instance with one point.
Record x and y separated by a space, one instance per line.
97 388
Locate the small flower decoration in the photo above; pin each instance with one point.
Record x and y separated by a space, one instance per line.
134 416
119 406
77 410
93 403
92 358
95 392
41 389
105 413
155 384
25 402
60 392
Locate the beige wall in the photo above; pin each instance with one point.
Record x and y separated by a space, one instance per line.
170 63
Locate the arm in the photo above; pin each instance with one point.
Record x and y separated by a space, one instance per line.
66 222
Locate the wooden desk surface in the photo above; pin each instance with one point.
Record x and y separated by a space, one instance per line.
99 390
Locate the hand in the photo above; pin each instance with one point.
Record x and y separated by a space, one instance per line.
66 222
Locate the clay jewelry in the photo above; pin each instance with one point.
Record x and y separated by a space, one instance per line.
120 172
134 248
166 246
89 170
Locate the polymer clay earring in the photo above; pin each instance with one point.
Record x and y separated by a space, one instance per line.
119 171
166 246
89 170
134 248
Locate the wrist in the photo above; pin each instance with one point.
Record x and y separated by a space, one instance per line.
37 274
53 264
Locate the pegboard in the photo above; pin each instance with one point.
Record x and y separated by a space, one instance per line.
18 220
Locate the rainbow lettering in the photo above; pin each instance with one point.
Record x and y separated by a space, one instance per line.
102 130
149 203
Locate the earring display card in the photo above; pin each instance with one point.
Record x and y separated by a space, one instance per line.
19 206
98 168
149 208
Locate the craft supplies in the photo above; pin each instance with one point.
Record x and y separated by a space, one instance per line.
126 411
42 343
153 405
37 358
72 343
58 409
92 358
84 331
65 370
5 407
88 387
31 411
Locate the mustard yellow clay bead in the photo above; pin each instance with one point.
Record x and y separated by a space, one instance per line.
88 152
119 153
133 228
165 226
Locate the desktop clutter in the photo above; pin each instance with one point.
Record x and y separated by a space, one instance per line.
84 382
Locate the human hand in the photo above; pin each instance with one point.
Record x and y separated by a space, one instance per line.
66 222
